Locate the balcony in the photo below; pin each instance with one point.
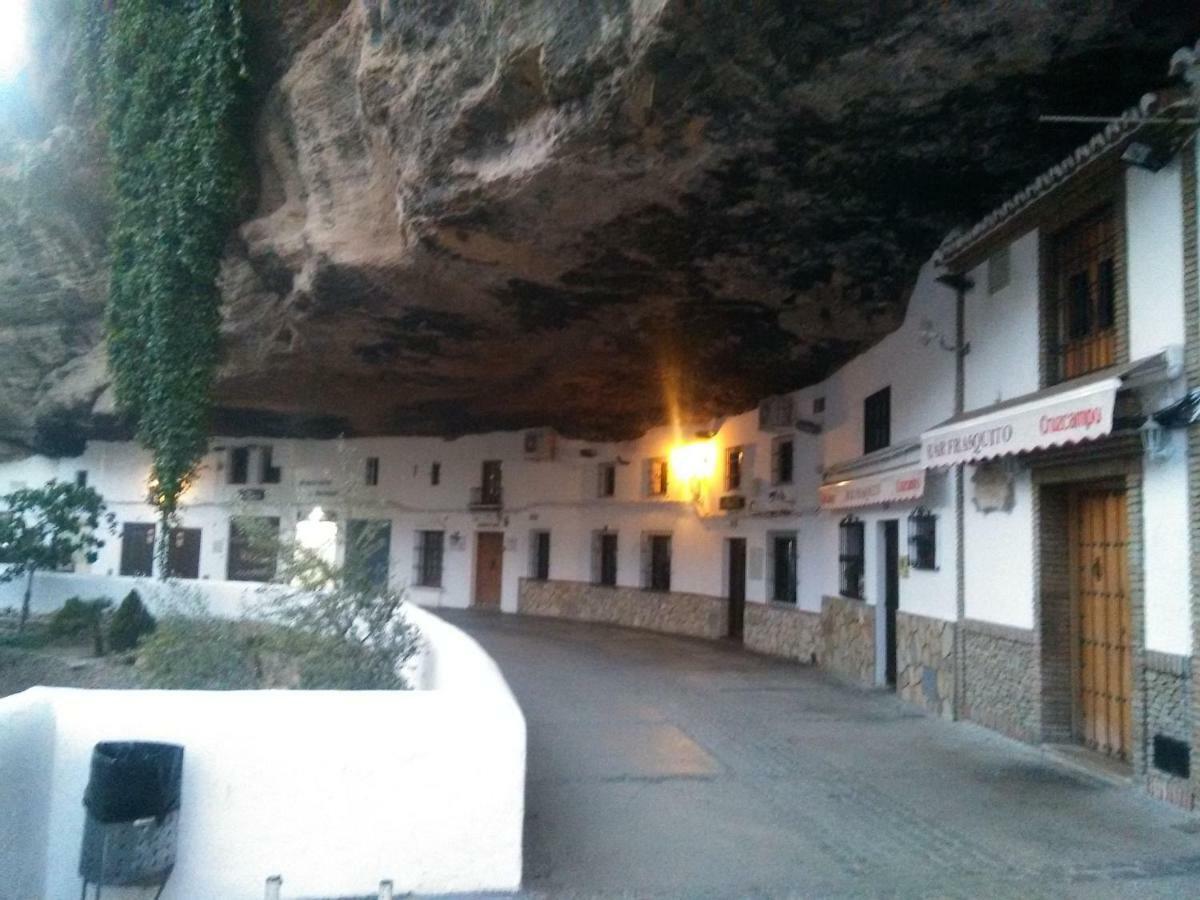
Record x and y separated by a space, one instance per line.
486 498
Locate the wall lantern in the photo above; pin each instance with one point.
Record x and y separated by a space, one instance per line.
1156 440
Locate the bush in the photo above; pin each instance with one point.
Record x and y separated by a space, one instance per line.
129 623
207 653
78 619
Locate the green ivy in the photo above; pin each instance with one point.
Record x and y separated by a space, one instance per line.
170 85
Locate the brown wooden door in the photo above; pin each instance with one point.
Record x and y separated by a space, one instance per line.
489 567
737 587
1104 659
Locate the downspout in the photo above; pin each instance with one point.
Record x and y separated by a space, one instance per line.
960 284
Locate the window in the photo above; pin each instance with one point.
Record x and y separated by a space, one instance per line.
604 558
435 474
818 405
606 480
658 481
922 539
490 493
734 458
81 478
368 551
427 566
1083 291
782 461
539 558
371 475
137 549
850 557
239 465
657 562
253 545
999 270
877 420
183 553
269 474
783 568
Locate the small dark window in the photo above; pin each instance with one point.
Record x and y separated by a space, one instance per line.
783 568
606 558
371 476
734 458
81 478
490 492
239 465
783 461
658 573
818 405
183 553
606 482
253 548
270 473
922 539
137 549
658 483
540 568
877 420
435 474
428 559
850 557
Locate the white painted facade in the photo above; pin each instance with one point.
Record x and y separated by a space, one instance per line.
425 787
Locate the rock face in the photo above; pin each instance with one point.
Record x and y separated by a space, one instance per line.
474 214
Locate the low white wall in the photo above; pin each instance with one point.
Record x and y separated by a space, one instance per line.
332 790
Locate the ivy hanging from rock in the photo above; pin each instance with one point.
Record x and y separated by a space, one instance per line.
168 78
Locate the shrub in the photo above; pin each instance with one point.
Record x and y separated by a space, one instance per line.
129 623
78 619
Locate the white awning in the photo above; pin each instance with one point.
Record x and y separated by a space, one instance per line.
1050 418
869 490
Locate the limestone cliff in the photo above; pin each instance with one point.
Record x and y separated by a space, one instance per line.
473 214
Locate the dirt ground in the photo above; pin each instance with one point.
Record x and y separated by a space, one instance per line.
63 666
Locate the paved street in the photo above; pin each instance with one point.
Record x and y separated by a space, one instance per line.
662 766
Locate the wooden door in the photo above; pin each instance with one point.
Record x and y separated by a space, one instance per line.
183 553
891 596
1103 653
489 568
737 587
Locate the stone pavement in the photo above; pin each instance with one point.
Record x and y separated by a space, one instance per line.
662 766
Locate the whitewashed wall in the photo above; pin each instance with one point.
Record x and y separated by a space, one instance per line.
1154 228
1165 543
332 790
998 558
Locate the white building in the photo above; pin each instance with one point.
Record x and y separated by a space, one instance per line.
1005 478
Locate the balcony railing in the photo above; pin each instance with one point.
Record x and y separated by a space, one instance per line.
486 498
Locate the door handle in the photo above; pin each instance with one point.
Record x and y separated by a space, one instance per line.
1097 570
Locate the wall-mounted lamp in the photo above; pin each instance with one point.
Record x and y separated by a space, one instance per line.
1156 440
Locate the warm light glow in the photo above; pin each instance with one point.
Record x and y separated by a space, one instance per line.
692 462
318 536
14 41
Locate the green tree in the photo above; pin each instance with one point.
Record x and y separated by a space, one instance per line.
48 528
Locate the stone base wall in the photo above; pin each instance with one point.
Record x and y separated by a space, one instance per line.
782 631
925 662
1168 712
672 612
848 639
1000 688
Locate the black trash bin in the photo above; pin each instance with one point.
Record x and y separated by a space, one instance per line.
131 824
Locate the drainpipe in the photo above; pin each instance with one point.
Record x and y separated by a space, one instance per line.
960 284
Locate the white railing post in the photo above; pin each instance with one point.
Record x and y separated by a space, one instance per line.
385 890
274 883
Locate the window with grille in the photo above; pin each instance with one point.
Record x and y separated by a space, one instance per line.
253 548
734 459
604 561
371 475
657 549
606 480
922 539
1083 292
783 568
427 559
239 465
782 461
539 562
850 557
657 477
877 420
